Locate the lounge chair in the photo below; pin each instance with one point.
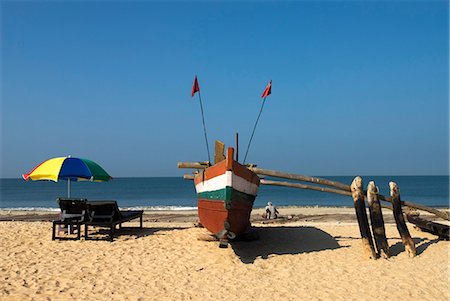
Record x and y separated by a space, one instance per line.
107 214
73 215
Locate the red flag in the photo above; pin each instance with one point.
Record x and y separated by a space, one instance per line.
195 86
267 90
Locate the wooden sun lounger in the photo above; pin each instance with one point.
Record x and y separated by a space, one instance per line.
107 214
73 215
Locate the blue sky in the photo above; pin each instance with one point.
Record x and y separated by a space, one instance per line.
359 87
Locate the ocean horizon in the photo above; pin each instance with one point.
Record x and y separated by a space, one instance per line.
175 193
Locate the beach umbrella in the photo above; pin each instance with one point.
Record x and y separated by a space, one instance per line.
69 169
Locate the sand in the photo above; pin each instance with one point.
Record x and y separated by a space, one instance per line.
316 254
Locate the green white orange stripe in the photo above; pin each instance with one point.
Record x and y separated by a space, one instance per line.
221 182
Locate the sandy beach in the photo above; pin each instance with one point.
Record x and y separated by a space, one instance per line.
309 254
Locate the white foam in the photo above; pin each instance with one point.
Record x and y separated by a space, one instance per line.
146 208
31 209
160 208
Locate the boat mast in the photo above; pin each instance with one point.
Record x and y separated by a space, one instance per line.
196 88
267 92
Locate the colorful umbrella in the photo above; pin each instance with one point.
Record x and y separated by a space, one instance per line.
69 169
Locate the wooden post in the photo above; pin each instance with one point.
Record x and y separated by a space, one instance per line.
400 220
361 215
219 148
376 218
237 147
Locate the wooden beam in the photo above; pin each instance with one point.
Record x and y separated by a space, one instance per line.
193 165
377 222
302 178
219 149
440 230
400 220
305 186
441 214
188 177
361 215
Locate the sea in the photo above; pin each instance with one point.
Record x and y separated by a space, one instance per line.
175 193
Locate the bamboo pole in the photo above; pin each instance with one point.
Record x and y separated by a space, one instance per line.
361 215
193 165
400 220
188 177
302 178
305 186
376 218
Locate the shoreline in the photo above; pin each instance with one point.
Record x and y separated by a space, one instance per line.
287 214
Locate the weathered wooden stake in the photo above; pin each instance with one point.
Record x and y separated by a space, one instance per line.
361 215
400 220
376 218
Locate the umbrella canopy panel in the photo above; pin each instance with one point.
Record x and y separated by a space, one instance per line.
68 168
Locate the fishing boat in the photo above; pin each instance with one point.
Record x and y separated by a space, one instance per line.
225 193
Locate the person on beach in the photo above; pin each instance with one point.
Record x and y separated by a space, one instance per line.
271 211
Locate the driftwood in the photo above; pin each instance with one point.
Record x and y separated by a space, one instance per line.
376 218
440 230
400 220
361 215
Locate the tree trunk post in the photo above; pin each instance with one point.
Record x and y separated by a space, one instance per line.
400 220
361 215
376 218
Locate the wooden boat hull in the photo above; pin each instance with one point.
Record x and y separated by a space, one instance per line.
226 192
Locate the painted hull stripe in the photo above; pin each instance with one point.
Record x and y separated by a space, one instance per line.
227 180
220 169
227 194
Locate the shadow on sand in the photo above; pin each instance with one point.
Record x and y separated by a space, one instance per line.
284 240
126 232
421 245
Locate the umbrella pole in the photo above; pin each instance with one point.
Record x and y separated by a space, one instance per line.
68 188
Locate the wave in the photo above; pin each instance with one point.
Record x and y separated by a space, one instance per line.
160 208
31 209
145 208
